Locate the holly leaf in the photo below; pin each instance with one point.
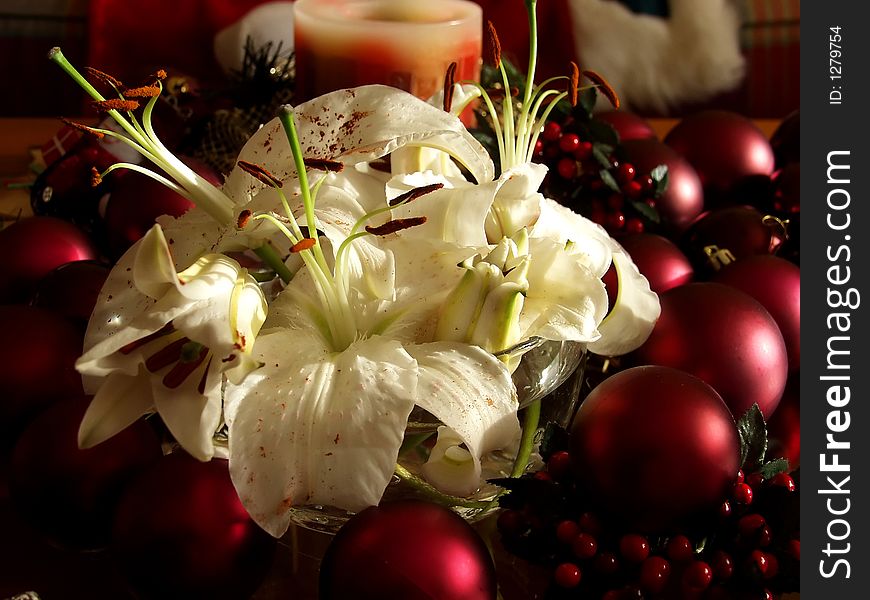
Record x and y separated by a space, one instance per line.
608 180
553 439
602 152
646 211
604 133
587 99
660 177
752 432
774 467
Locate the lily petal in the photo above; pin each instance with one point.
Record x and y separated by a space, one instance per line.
106 416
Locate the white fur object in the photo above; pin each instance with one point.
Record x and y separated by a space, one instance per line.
655 63
270 22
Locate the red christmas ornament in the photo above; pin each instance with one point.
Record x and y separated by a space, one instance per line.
784 427
727 234
31 248
776 283
725 337
787 189
655 447
37 363
72 289
659 260
407 550
727 150
70 494
628 125
181 532
137 200
683 199
786 141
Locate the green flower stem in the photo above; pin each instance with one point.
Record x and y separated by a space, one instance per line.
269 255
434 494
530 427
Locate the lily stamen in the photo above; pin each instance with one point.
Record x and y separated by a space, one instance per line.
415 193
260 173
395 225
96 133
449 80
604 86
115 104
324 164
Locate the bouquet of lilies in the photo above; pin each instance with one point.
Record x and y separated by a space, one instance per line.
391 285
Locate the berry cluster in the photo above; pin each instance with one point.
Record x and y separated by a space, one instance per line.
588 176
750 550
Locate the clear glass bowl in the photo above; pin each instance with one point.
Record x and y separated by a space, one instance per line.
549 371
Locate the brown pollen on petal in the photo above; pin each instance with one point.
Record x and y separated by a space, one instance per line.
395 225
259 173
449 80
303 244
415 193
494 45
115 104
83 128
604 86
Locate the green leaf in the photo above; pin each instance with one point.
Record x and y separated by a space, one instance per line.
609 181
602 152
587 99
658 173
646 211
774 467
604 133
661 178
752 432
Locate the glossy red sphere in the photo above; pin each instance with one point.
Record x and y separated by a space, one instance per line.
628 125
725 148
776 283
37 363
659 260
33 247
181 532
72 289
787 189
70 494
786 140
725 337
655 447
683 199
727 234
407 550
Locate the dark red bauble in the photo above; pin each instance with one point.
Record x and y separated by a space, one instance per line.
33 247
776 283
683 199
659 260
628 125
787 189
725 337
727 234
69 494
655 447
137 200
181 532
786 140
726 149
784 427
72 289
37 363
407 550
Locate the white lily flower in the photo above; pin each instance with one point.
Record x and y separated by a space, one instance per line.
195 327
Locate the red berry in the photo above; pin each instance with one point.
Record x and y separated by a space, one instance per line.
772 566
543 476
559 464
584 546
566 531
741 477
612 595
567 575
624 173
552 131
698 576
648 184
606 563
634 225
539 147
567 168
723 566
598 216
742 493
754 479
758 561
511 522
589 523
749 524
654 573
569 143
725 509
794 549
615 201
784 480
551 151
615 221
633 547
768 595
583 151
680 549
632 189
765 536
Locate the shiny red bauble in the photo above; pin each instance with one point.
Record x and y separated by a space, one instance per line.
683 199
655 447
726 149
776 284
181 532
787 189
659 260
628 125
407 550
33 247
69 494
137 200
37 363
725 337
727 234
786 140
72 289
